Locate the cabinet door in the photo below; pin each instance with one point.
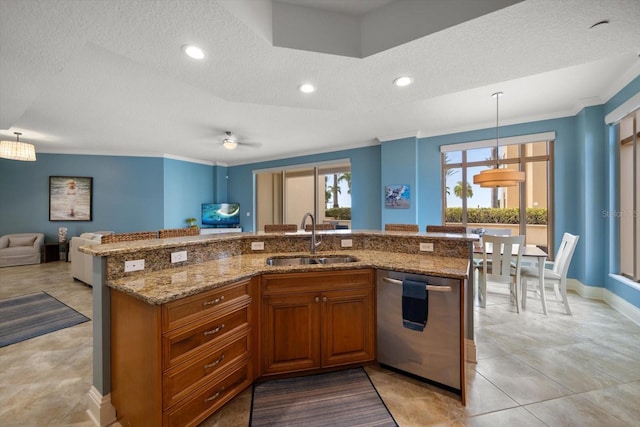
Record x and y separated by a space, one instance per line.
290 332
348 326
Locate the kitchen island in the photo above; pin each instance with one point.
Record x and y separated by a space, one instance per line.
210 310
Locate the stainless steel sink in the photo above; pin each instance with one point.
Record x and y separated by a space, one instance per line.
341 259
301 260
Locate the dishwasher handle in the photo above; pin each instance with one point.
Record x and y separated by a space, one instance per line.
434 288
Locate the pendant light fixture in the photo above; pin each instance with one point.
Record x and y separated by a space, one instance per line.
16 150
498 177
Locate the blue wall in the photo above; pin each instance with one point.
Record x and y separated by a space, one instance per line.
128 193
594 190
186 186
366 190
220 185
399 166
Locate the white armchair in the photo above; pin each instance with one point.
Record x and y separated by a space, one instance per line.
21 249
81 263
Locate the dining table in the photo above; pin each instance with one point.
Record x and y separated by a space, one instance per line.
531 252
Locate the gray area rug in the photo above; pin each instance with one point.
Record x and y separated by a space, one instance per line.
32 315
338 399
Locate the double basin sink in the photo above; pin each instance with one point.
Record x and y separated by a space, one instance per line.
303 260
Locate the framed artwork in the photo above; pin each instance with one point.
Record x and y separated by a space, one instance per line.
397 196
70 198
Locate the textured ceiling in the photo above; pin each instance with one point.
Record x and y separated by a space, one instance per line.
348 7
109 76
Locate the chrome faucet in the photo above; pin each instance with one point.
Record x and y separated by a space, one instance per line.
314 244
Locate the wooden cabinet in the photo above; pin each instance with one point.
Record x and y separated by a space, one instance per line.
176 364
317 320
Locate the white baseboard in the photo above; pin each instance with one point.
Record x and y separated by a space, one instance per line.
470 352
603 294
100 409
624 307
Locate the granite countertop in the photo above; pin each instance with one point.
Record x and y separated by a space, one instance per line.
166 285
152 244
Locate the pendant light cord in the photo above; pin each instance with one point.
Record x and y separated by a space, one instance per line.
497 95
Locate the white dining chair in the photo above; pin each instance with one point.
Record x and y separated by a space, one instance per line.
477 262
498 264
557 275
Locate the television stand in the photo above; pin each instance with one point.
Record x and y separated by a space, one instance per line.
220 230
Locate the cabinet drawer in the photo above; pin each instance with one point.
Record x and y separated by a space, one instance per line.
182 380
207 400
180 312
180 344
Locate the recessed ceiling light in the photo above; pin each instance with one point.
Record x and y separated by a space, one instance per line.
193 51
307 88
403 81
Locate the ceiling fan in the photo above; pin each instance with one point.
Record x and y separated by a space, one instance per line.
231 142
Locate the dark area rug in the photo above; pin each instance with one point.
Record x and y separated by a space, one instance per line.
32 315
337 399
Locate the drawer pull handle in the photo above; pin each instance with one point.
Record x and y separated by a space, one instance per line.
215 301
211 365
215 396
214 331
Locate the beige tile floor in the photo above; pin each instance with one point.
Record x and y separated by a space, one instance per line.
533 370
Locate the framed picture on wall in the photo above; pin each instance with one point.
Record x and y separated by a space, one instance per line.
70 198
397 196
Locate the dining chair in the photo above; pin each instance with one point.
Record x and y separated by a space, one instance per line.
280 228
557 275
129 237
477 262
456 229
498 264
319 227
178 232
402 227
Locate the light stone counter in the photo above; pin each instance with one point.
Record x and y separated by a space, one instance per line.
162 286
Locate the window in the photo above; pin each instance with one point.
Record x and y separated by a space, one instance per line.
629 197
525 209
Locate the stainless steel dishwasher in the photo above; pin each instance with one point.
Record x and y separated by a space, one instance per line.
432 354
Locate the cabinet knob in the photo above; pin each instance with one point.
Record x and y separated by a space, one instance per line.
324 299
317 299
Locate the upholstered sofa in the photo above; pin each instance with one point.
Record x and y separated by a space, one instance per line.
81 263
21 249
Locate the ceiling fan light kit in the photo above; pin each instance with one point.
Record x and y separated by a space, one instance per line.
498 177
229 144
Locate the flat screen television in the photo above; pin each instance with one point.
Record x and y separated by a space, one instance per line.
220 215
